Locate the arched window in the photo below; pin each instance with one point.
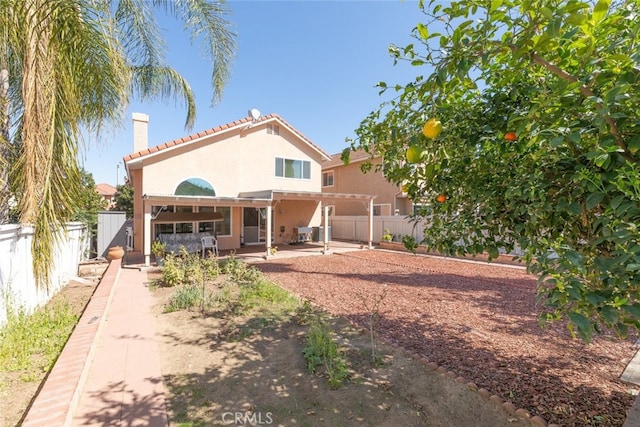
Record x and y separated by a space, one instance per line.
195 187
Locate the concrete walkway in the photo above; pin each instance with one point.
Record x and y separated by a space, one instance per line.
124 385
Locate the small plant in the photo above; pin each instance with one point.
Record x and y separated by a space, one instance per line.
387 236
187 297
373 308
410 243
322 350
262 293
187 268
273 250
173 272
304 313
158 249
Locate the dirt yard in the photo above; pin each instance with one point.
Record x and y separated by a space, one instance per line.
476 320
215 372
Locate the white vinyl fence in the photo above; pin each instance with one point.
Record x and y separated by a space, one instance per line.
18 288
355 228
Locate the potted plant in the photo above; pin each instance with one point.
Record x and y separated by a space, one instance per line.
159 250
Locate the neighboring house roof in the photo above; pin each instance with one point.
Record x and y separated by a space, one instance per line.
354 156
242 123
106 190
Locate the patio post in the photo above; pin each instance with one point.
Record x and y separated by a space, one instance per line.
370 217
325 226
268 230
146 235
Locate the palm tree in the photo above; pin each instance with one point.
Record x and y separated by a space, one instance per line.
72 67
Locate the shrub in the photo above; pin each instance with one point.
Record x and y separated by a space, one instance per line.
322 350
187 297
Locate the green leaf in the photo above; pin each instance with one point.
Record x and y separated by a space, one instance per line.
634 144
423 31
576 19
574 292
557 141
633 310
602 160
610 314
493 252
621 329
546 12
585 329
633 267
594 200
575 258
595 299
575 208
600 10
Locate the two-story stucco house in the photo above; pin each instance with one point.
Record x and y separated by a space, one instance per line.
340 178
255 181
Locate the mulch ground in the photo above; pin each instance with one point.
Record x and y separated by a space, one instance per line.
478 320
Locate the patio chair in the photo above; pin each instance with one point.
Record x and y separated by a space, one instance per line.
210 242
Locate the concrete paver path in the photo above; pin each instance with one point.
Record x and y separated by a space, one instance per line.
124 383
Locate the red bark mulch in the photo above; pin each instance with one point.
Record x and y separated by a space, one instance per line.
478 320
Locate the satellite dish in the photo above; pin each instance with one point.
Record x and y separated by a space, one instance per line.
254 113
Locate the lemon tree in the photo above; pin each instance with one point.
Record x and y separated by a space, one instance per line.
565 77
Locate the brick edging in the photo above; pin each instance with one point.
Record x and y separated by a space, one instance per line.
57 399
535 420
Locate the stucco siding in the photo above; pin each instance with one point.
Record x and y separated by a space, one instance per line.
351 179
232 164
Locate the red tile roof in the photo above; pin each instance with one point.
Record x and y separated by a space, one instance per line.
220 128
105 189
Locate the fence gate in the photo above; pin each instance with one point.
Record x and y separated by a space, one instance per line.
111 231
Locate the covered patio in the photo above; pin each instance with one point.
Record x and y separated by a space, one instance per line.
286 210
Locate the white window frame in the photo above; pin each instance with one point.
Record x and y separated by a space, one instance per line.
280 170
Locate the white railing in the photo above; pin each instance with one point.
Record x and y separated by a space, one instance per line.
18 288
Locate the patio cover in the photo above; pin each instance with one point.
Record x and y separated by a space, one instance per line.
257 199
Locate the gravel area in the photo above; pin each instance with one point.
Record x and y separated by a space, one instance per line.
478 320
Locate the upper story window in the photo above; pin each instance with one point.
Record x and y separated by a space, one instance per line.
273 129
289 168
327 179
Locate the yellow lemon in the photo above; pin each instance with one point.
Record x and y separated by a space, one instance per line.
414 154
432 128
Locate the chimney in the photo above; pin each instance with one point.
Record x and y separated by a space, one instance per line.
140 132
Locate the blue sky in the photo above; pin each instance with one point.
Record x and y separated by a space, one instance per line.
315 63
